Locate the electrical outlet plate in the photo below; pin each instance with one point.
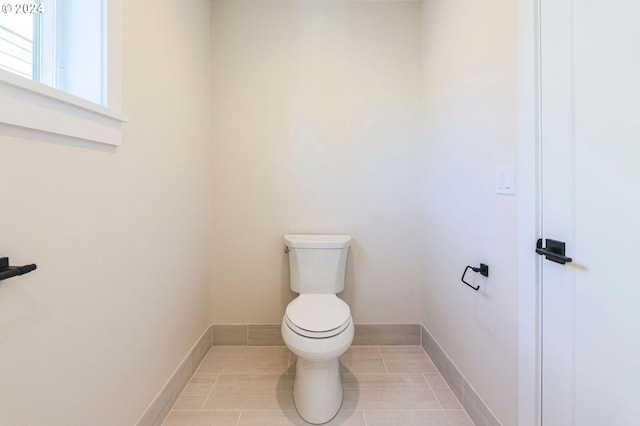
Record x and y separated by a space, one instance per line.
506 180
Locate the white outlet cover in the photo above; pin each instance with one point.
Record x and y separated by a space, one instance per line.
506 180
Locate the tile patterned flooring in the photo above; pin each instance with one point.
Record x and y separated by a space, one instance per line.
253 386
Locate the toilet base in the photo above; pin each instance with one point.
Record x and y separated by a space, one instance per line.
317 390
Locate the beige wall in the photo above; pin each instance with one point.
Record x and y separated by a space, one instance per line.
120 237
315 123
470 128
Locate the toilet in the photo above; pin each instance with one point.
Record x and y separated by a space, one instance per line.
317 325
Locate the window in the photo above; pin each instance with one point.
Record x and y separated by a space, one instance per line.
16 44
63 55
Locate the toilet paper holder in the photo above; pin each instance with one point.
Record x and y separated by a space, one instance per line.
483 270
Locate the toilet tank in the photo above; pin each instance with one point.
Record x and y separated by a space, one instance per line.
317 263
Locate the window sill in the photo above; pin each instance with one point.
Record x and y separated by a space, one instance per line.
32 105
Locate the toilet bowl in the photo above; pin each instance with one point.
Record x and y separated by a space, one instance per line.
317 330
317 325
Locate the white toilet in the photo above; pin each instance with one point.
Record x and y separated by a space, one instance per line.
317 325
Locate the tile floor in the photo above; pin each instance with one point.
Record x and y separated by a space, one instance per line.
253 386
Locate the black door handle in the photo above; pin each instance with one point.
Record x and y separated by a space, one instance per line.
7 271
555 251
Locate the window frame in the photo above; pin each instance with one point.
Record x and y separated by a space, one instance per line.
36 107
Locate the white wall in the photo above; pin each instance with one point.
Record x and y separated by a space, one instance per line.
470 127
120 237
315 123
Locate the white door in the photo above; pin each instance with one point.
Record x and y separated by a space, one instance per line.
590 56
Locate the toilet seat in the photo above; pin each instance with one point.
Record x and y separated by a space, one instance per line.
317 316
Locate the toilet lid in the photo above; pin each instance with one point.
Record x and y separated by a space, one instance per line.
318 315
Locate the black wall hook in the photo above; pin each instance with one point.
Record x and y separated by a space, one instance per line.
7 271
483 269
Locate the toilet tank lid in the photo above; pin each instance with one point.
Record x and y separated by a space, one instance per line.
317 241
